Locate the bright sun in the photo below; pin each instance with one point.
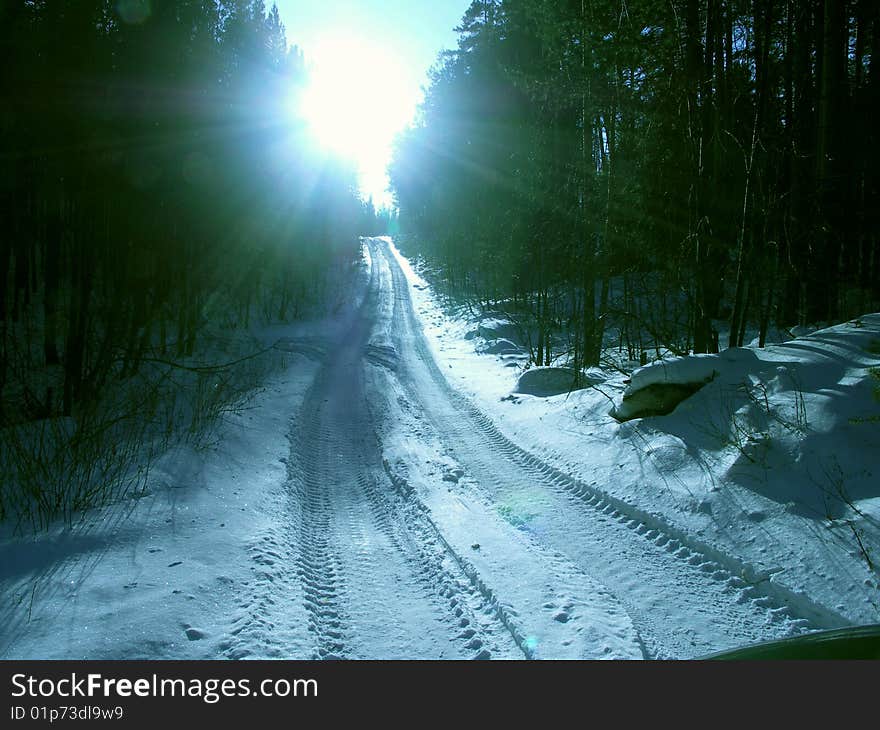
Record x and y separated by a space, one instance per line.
358 98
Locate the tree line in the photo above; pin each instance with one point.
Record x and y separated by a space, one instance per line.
154 179
663 172
159 196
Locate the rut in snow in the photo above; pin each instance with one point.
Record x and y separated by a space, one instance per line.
375 581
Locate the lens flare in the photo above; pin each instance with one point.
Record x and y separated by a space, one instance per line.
358 98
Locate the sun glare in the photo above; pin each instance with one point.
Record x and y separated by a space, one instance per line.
357 99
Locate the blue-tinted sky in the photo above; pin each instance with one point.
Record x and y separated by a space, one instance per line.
410 32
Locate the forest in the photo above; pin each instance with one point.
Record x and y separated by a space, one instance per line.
663 177
319 341
155 187
668 174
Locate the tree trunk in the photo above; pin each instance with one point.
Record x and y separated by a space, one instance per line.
51 263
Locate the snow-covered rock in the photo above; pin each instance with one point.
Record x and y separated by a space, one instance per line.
656 389
657 399
500 346
492 329
676 371
549 381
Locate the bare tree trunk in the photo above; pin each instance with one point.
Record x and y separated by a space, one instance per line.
51 263
831 96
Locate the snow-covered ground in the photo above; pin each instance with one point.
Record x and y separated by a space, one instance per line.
390 494
771 468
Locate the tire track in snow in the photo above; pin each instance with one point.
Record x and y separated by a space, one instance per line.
525 620
470 610
317 564
374 586
374 583
547 603
550 605
724 584
290 607
489 600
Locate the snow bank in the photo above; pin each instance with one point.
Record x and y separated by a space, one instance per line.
773 462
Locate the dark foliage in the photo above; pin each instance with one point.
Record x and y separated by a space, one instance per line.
156 189
153 180
668 169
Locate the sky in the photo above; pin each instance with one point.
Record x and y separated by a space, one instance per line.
387 47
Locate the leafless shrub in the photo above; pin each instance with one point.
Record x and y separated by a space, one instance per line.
55 467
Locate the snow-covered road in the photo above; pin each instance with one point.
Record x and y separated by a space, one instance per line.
419 530
373 578
384 515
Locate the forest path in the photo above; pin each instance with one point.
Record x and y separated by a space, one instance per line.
413 528
375 580
362 507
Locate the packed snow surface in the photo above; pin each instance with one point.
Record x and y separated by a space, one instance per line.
393 493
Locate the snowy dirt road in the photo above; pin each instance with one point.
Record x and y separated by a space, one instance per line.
365 508
374 578
417 530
